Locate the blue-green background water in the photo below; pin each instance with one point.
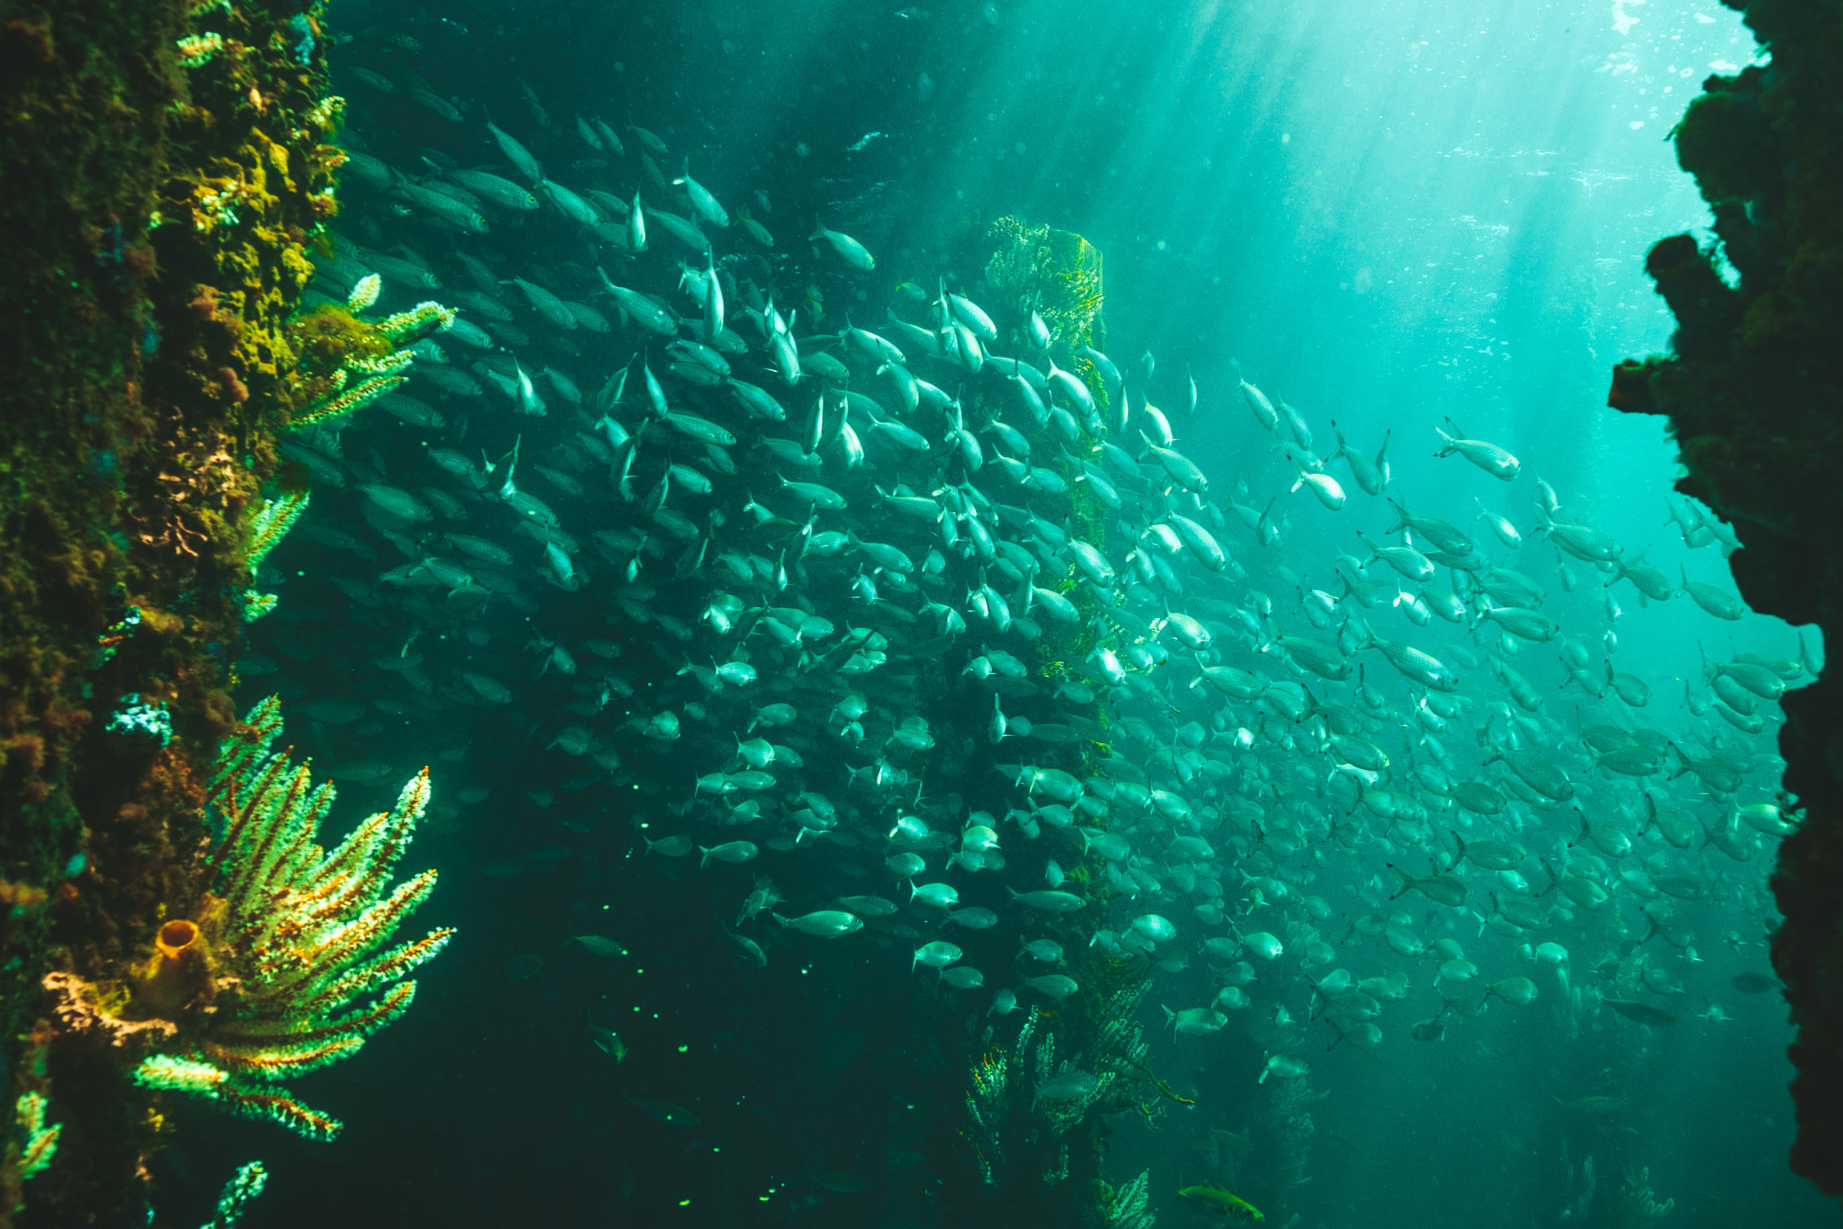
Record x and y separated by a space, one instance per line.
1387 213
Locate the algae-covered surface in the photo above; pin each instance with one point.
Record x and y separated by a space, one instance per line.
168 169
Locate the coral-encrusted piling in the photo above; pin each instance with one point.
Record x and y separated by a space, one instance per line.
167 168
1754 394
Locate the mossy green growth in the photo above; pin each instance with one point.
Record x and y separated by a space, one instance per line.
328 335
1055 273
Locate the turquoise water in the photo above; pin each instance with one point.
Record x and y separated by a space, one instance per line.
620 629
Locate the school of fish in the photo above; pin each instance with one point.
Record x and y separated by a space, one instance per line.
938 606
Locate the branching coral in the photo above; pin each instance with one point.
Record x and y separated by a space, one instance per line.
364 292
267 528
359 396
1127 1209
269 525
419 321
1007 1105
288 938
236 1196
987 1105
331 335
38 1142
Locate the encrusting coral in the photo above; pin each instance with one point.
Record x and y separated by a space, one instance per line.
289 935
